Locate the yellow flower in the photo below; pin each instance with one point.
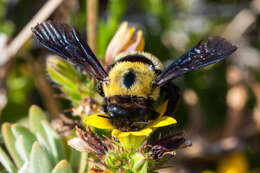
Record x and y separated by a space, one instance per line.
234 163
131 139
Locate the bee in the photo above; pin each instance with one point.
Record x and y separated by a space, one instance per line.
137 82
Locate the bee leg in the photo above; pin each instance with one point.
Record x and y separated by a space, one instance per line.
172 94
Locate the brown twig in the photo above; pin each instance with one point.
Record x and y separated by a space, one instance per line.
239 25
256 112
12 49
91 15
242 21
92 7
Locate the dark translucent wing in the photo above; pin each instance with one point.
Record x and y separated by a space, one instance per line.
168 145
65 41
213 50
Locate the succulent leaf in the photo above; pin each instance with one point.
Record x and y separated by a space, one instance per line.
62 167
6 162
21 149
46 147
26 168
55 141
83 166
39 160
9 140
24 142
35 151
74 159
36 116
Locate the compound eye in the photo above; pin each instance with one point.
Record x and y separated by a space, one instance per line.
129 79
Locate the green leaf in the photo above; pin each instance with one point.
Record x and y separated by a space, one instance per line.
21 149
55 142
6 162
26 168
44 143
83 166
62 167
72 83
9 140
62 72
36 116
74 158
110 160
139 163
24 142
39 160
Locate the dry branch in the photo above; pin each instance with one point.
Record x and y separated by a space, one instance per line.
12 49
92 7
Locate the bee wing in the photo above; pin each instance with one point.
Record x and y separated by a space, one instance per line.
79 144
169 145
213 50
65 41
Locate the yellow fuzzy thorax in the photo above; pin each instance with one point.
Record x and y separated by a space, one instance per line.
142 86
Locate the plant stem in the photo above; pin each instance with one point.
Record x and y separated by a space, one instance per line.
92 7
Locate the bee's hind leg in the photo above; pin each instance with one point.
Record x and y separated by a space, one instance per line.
172 94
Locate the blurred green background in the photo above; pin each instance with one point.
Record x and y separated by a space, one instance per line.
220 106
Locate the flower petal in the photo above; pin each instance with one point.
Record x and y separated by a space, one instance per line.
116 133
135 43
140 41
119 134
162 121
129 140
143 132
97 121
126 39
117 42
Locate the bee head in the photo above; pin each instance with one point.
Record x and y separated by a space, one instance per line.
133 74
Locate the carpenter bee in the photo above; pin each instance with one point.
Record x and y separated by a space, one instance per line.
137 82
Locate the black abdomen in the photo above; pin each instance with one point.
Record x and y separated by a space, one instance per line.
130 118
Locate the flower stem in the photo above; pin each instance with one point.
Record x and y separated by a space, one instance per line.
92 7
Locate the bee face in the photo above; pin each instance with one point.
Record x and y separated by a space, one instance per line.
132 79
